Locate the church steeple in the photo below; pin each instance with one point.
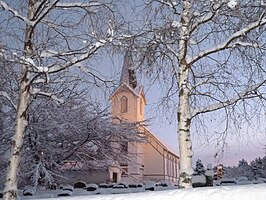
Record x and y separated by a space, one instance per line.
128 75
128 99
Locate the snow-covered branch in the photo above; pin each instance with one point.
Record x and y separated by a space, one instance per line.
4 94
246 94
207 17
31 62
16 13
88 72
76 60
228 42
245 44
51 53
48 94
78 4
170 4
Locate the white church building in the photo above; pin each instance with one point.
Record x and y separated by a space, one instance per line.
152 160
155 160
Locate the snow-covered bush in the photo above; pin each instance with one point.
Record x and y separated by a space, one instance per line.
227 182
29 191
150 185
92 187
80 184
198 180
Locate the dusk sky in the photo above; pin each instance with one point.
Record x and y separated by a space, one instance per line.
248 144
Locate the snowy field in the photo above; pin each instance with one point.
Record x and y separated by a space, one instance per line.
239 192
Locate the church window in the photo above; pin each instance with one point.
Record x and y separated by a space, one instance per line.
124 104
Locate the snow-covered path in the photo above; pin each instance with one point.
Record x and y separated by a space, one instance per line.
245 192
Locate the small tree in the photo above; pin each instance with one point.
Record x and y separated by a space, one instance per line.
199 167
257 166
244 168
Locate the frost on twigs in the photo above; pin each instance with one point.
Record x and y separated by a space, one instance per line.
176 24
51 95
232 4
16 13
49 53
100 43
31 62
4 94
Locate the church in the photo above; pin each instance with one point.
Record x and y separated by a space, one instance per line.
149 160
154 161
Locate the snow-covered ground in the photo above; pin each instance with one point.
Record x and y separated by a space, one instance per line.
238 192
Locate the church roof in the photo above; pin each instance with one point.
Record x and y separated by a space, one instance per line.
128 79
128 73
159 140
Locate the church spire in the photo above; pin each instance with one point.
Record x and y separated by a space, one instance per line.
128 75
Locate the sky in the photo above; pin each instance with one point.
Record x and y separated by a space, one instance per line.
243 192
247 145
238 146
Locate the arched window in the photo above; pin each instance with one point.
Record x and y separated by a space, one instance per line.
124 105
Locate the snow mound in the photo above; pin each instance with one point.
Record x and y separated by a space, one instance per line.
243 192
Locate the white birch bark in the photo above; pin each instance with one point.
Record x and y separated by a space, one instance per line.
17 142
183 115
10 190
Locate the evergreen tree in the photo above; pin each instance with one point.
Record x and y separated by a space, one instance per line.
199 167
244 169
257 166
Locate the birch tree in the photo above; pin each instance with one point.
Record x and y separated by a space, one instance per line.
47 37
8 97
211 53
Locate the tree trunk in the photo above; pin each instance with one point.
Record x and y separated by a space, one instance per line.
10 190
184 119
183 115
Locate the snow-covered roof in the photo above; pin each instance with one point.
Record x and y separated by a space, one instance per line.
128 78
138 91
159 140
128 73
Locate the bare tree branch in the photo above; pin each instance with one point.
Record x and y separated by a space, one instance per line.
46 11
227 43
16 13
246 94
4 94
51 95
76 60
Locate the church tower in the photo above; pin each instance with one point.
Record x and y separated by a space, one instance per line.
128 104
128 100
150 160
